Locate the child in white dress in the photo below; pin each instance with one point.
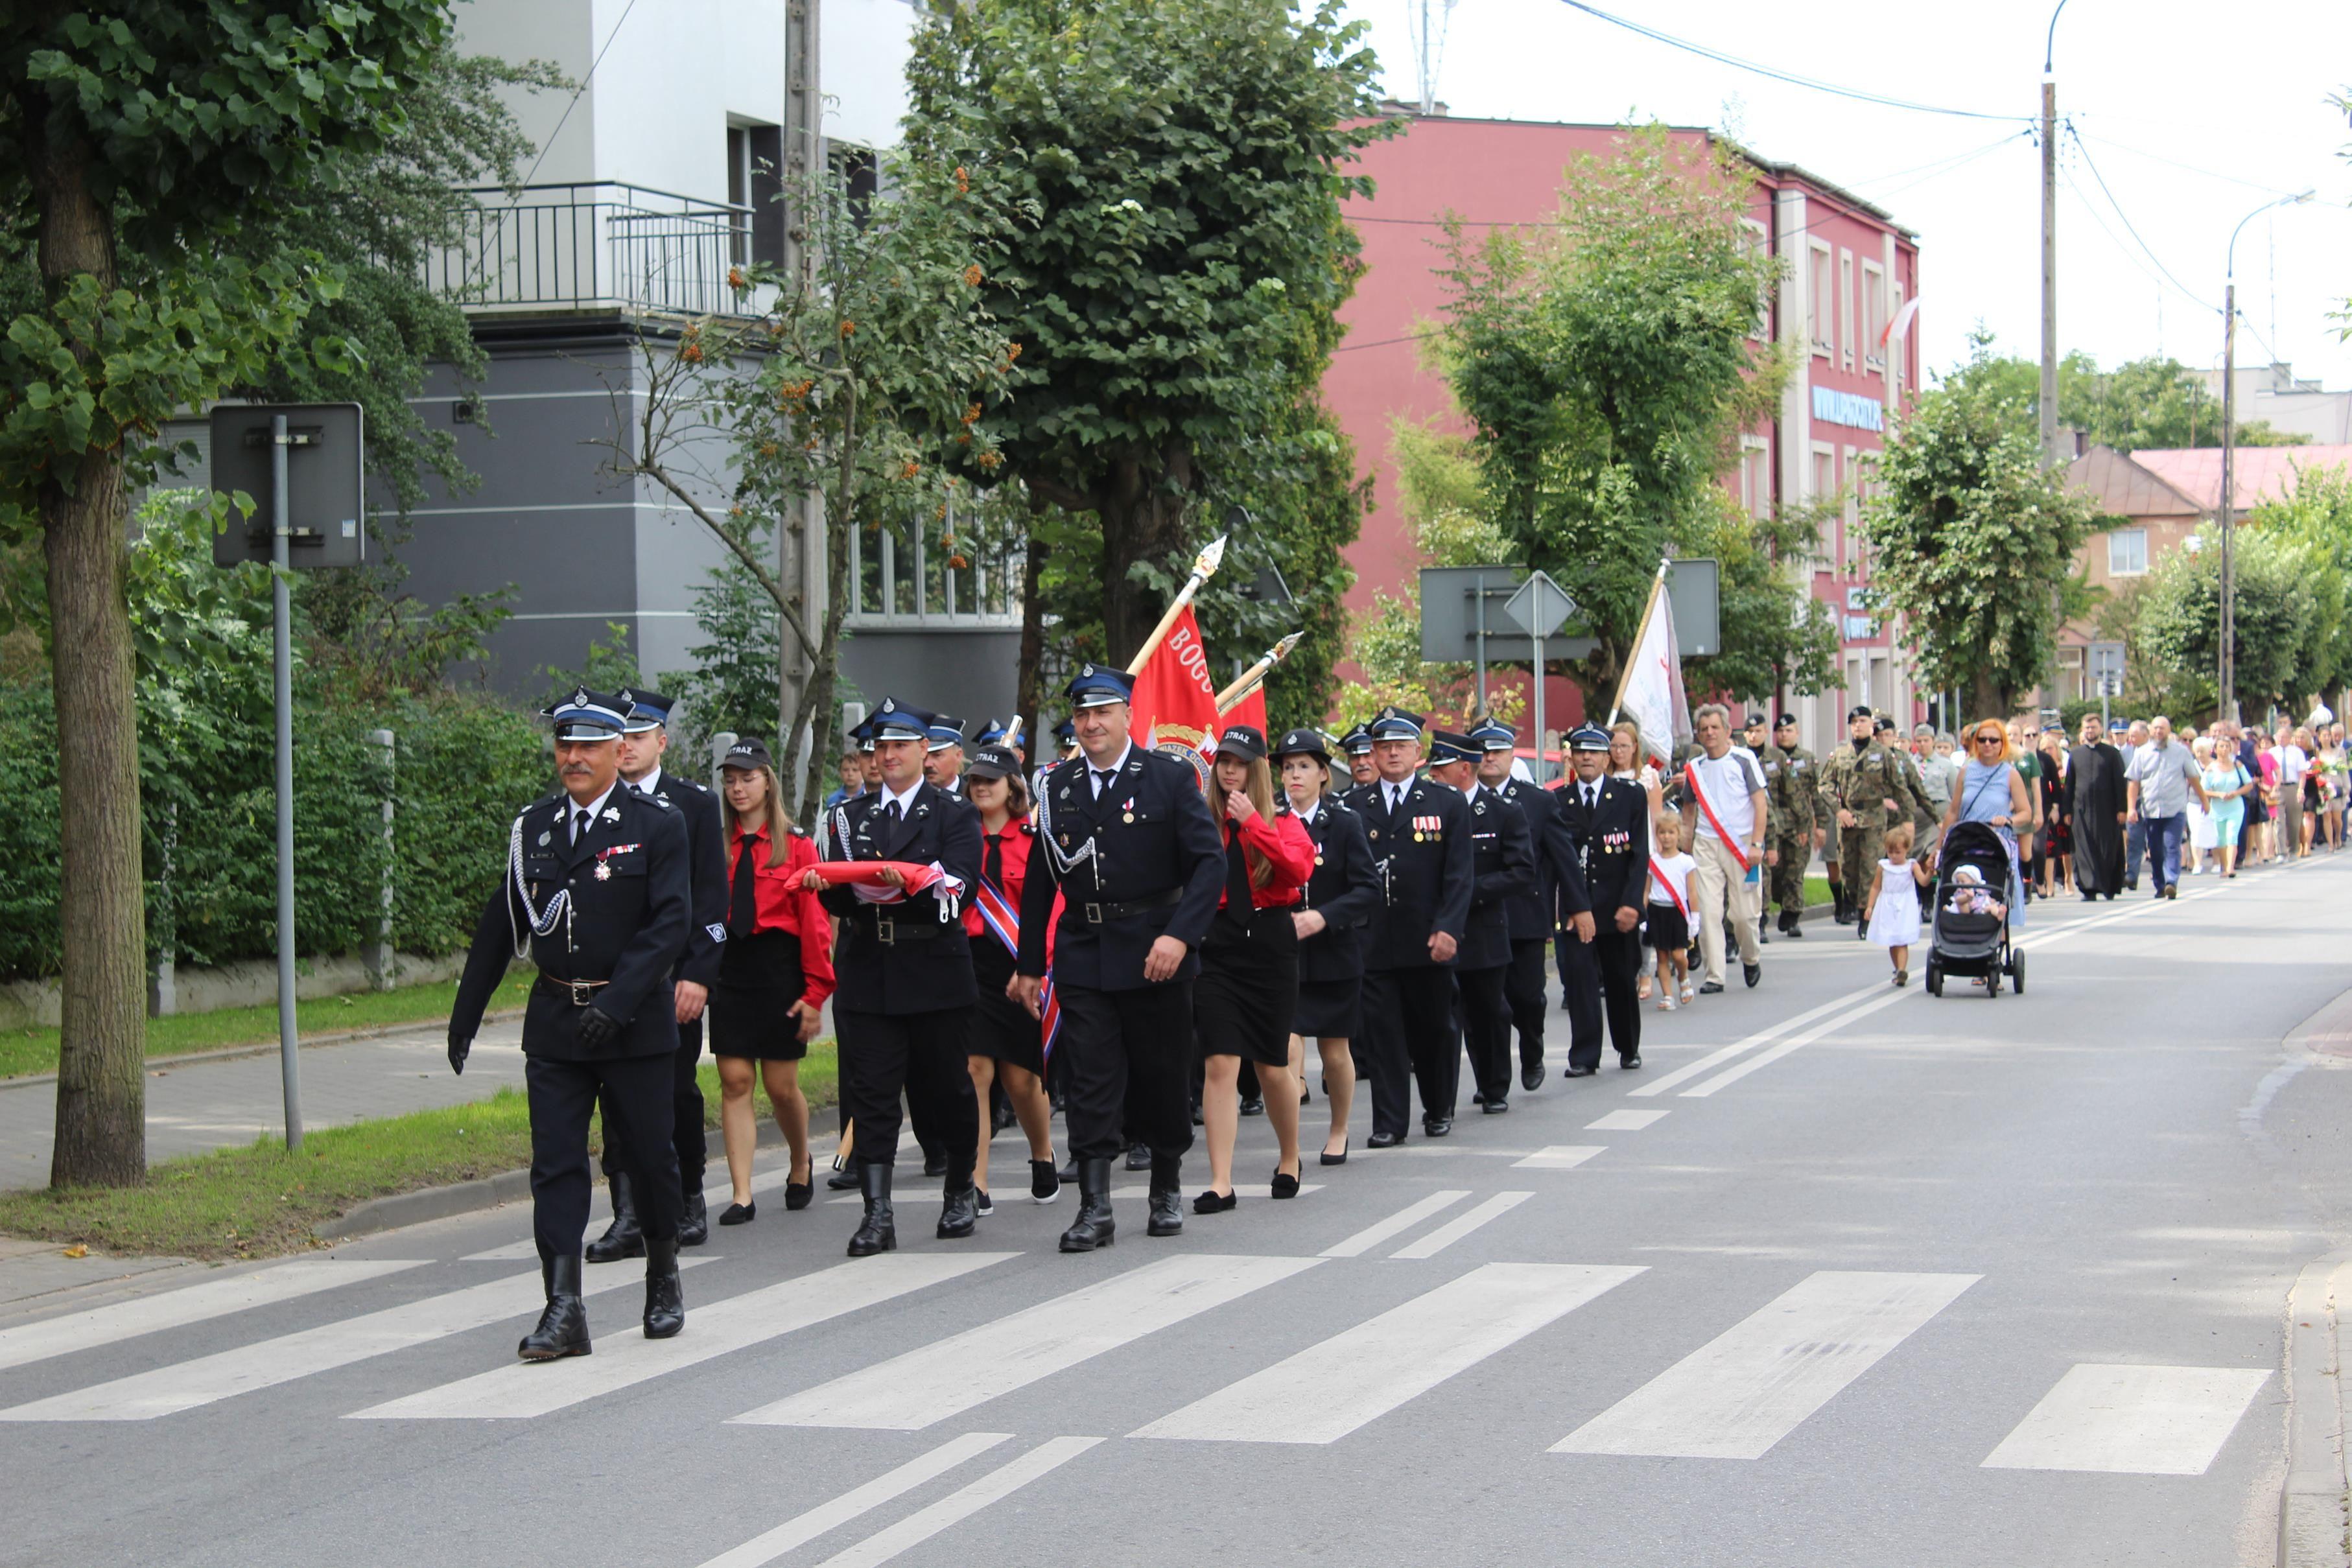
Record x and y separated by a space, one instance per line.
1893 911
1666 929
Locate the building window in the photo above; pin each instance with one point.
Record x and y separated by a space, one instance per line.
1824 487
2127 552
1821 304
1756 476
753 153
1874 316
1860 469
1845 308
1758 240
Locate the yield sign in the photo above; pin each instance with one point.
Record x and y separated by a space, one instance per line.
1541 606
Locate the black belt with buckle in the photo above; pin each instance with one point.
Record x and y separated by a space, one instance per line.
892 929
1103 913
579 993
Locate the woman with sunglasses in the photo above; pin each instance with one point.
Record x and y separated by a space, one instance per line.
1989 790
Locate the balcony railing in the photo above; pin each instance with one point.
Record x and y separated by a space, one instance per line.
605 245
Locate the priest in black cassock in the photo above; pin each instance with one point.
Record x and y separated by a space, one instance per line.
2097 772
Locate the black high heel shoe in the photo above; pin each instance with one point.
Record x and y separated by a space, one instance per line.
1340 1158
1285 1185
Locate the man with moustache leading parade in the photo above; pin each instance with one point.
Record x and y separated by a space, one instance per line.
1502 867
1606 823
1529 913
597 892
1124 836
645 739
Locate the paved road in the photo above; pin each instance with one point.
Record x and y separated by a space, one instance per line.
1845 1276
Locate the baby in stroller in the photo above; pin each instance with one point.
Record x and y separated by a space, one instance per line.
1971 896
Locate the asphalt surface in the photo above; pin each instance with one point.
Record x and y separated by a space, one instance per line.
1890 1280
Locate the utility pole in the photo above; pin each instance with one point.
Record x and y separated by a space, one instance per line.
800 525
2048 398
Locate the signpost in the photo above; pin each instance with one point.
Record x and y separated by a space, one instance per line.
315 507
1539 608
2107 668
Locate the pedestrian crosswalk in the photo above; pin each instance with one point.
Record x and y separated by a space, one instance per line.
1392 1339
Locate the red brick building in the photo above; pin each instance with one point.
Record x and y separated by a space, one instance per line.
1848 270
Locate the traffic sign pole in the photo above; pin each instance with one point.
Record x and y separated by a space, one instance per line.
281 652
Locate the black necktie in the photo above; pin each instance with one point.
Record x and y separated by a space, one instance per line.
579 822
1237 880
1102 779
992 863
743 903
1591 795
891 811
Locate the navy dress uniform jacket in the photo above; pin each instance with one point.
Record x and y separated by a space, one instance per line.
1345 889
1611 843
625 926
1427 868
707 870
1531 914
1156 868
912 956
1503 868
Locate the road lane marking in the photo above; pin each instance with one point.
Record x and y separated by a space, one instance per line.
1396 1224
1453 1231
956 1506
518 1392
802 1528
1327 1391
1751 1385
1730 1075
2131 1420
1559 1157
948 1376
119 1321
1625 1122
1766 1036
208 1379
1119 1195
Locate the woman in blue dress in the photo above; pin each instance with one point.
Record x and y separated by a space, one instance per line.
1989 790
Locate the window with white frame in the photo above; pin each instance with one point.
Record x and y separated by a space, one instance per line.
1845 308
1824 487
1754 476
1861 478
2127 552
1874 316
1758 240
1821 302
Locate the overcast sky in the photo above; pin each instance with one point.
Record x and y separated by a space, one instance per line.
2194 114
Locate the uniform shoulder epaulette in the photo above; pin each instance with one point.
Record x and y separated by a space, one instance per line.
658 799
1338 803
700 785
1028 828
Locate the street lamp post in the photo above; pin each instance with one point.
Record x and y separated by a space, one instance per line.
2050 245
2225 516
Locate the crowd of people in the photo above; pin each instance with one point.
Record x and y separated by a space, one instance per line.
1146 940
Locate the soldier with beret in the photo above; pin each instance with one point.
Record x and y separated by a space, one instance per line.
1502 867
902 965
1420 836
1332 920
1791 774
598 893
1124 836
1531 914
1606 822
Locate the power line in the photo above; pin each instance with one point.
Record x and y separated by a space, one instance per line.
2184 168
2088 163
576 91
1792 77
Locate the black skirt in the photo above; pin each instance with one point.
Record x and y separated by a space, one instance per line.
760 979
1000 1027
1247 994
1665 929
1330 1009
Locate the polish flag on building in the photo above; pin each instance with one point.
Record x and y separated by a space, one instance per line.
1651 692
1175 702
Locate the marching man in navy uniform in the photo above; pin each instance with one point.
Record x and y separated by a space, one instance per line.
1126 837
1529 913
598 892
1420 834
644 737
904 974
1604 825
1502 868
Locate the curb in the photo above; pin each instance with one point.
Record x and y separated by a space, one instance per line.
232 1052
2313 1520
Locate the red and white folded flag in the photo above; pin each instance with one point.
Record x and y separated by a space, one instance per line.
864 878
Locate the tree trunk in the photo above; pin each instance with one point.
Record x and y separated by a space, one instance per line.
101 1121
1030 677
1142 517
1989 701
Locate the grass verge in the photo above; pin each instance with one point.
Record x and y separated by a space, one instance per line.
258 1202
34 1050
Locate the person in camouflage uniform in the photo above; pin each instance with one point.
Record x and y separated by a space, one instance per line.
1791 776
1866 787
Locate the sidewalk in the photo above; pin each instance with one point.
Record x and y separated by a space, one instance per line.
193 1106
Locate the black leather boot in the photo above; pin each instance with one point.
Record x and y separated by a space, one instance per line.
1093 1227
959 1213
878 1232
623 1238
1167 1197
694 1229
563 1327
665 1303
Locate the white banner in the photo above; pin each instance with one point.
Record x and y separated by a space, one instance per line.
1653 695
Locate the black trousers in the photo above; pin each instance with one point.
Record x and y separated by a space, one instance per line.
1523 987
1128 1060
1602 976
686 1136
919 1055
1487 1030
637 1091
1409 1037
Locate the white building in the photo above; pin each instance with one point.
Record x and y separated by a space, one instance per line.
2275 395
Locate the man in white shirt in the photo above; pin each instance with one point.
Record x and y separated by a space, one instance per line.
1723 795
2294 762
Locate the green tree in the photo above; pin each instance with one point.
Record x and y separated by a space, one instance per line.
1973 541
2316 515
143 134
2155 404
2276 617
732 685
1777 637
1606 361
1180 170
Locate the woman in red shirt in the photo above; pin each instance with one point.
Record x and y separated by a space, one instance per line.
775 971
1006 1045
1248 986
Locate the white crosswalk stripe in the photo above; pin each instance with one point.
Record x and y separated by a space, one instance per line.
802 1527
1625 1122
516 1391
1750 1386
1453 1231
2132 1420
1396 1224
954 1509
951 1376
118 1320
144 1395
1327 1391
1559 1157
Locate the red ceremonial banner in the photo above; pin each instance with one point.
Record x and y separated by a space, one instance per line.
1175 702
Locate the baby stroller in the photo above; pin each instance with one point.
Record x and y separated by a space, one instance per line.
1972 914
